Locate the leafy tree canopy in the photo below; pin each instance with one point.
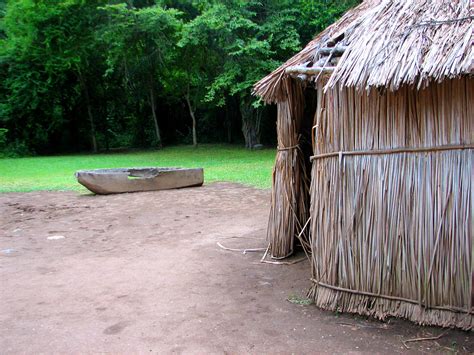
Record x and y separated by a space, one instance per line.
82 74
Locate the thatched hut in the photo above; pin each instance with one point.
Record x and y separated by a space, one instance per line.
381 104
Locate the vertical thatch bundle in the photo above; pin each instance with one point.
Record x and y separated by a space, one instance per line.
392 202
289 206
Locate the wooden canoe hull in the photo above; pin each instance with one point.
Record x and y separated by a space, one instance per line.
114 181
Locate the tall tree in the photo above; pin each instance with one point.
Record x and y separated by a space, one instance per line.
141 43
197 63
50 47
248 39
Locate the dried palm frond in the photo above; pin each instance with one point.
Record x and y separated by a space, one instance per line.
387 43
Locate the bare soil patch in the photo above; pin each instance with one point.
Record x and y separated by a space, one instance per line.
142 273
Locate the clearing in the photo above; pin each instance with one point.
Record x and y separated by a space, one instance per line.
221 162
142 273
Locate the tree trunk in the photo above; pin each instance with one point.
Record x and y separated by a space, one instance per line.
251 119
106 136
155 120
193 118
89 111
229 126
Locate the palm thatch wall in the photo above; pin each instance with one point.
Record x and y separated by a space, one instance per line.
391 184
290 203
392 201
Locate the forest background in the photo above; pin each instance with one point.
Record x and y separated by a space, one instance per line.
100 75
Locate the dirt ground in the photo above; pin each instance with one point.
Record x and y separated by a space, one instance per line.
142 273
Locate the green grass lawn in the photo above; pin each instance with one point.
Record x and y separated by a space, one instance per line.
220 163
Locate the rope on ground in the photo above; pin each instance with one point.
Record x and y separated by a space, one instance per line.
291 262
423 339
262 260
243 251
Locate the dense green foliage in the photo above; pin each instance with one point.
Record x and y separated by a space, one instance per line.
79 75
220 163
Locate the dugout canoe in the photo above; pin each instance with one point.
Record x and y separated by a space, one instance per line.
114 181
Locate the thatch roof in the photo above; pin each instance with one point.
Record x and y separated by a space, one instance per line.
385 43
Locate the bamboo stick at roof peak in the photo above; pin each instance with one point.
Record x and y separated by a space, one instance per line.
388 44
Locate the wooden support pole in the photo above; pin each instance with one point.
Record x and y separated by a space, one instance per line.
298 69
